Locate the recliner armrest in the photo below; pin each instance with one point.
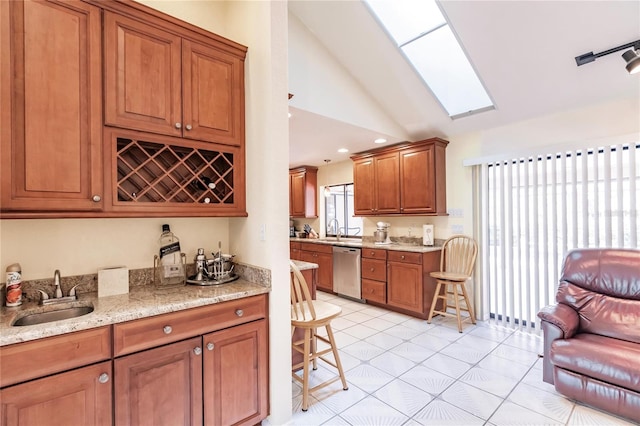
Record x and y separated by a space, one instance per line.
561 316
558 322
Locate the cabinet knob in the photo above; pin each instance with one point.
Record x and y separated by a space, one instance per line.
239 312
402 257
188 127
210 346
178 126
372 269
167 329
104 378
197 350
96 198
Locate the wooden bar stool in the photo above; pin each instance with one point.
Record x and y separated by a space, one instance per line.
456 265
308 315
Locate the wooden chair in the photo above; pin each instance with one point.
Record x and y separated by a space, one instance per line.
456 265
308 315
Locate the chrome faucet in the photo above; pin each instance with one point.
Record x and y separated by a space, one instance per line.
337 227
57 296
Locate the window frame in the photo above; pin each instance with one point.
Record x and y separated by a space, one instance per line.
349 216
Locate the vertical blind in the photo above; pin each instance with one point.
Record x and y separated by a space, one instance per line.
532 210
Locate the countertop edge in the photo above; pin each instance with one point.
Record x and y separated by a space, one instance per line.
392 246
140 302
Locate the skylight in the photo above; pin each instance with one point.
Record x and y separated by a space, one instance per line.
423 35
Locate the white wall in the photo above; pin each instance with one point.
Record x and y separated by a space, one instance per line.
313 70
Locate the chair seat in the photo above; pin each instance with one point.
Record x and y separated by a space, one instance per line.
324 312
449 276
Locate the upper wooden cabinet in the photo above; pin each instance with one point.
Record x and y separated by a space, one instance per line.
51 103
303 182
114 109
376 180
407 178
160 81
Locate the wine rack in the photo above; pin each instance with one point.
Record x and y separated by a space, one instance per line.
152 172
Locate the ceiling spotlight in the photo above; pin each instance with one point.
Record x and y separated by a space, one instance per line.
380 140
343 150
633 61
631 57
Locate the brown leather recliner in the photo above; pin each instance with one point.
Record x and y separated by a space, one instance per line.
592 334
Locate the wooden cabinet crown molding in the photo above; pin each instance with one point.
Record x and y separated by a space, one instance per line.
400 146
141 12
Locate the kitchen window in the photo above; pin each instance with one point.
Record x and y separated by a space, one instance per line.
338 202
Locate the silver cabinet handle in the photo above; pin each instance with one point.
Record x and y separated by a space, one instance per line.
197 350
188 127
167 329
210 346
104 378
96 198
239 312
178 125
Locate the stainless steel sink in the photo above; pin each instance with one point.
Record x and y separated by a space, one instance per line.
59 314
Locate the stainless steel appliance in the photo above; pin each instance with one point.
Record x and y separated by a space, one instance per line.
381 235
346 272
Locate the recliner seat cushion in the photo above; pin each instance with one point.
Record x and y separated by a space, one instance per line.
610 360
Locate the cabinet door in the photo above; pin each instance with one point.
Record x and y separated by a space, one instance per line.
387 183
77 397
161 386
363 186
404 286
51 106
213 97
235 375
417 181
325 271
297 194
142 76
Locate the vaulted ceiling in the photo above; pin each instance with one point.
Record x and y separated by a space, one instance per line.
523 52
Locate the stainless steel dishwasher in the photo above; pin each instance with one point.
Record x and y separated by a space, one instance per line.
346 272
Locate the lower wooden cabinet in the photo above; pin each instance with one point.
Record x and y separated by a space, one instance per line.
322 255
216 379
160 386
236 375
404 286
77 397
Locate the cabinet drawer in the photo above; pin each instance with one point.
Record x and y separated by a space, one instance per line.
405 256
374 253
28 360
318 248
294 246
374 269
146 333
375 291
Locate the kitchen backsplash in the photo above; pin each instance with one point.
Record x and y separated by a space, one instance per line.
137 277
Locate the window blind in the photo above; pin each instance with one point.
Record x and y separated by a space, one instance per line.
533 209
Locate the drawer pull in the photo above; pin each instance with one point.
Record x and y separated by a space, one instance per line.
197 350
239 312
373 269
167 329
402 257
104 378
210 346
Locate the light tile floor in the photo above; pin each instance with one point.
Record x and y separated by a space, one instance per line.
403 371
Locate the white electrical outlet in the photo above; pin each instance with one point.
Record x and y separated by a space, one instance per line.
457 229
263 232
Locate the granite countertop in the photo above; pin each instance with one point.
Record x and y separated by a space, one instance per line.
140 302
353 242
303 266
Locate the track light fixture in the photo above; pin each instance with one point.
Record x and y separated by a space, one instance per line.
632 56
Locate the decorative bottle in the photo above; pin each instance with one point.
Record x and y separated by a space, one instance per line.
171 269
